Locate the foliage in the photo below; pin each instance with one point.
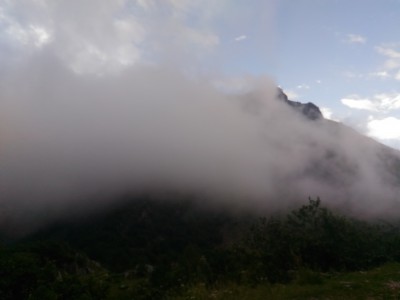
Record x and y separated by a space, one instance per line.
378 283
48 270
314 237
163 249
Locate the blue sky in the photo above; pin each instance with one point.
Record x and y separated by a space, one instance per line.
347 45
345 57
342 55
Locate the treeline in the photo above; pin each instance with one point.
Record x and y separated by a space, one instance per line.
155 249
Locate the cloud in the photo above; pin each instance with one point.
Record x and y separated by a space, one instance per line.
240 38
72 142
383 103
235 85
303 87
397 77
380 74
146 4
295 94
33 35
392 63
388 52
205 39
384 129
115 35
388 102
26 34
327 112
292 95
353 75
355 102
96 41
355 39
106 106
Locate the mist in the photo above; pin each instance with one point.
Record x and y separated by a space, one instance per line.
80 126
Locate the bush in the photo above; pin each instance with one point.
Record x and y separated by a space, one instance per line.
315 238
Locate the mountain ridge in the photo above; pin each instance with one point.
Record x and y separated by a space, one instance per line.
309 109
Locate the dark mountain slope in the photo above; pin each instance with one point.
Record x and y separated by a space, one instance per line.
152 249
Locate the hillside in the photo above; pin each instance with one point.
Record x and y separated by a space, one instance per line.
152 249
165 244
187 149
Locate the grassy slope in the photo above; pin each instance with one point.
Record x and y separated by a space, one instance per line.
379 283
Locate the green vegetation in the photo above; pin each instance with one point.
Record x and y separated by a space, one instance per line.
313 237
379 283
149 249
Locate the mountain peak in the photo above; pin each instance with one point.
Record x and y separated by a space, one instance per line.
309 110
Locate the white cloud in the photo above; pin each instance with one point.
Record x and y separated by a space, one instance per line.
296 93
319 81
292 95
388 52
355 39
240 38
392 62
353 75
397 77
29 34
41 35
380 74
86 39
327 113
354 102
388 102
115 34
385 129
303 87
94 52
382 103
